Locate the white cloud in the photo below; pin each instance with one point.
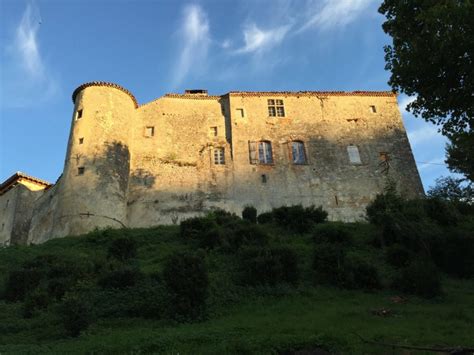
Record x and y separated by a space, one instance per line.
194 33
334 13
256 39
424 134
27 80
404 102
26 43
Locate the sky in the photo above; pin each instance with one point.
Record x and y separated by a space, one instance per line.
50 47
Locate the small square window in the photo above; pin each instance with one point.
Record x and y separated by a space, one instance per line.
81 140
149 131
276 108
373 109
80 170
79 114
219 156
240 112
213 131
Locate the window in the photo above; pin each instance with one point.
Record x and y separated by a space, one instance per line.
81 140
373 109
80 170
354 156
219 156
264 179
149 131
79 114
276 108
384 162
260 152
298 152
213 131
240 112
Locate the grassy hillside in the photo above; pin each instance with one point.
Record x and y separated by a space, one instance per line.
250 303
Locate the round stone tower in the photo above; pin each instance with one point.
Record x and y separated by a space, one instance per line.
94 184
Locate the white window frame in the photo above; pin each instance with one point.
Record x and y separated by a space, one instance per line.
219 156
300 153
353 154
261 152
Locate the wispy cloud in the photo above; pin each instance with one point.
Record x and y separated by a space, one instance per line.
26 41
424 134
405 101
331 14
27 79
256 39
194 33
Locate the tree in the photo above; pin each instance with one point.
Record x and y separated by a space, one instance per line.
460 154
432 57
452 189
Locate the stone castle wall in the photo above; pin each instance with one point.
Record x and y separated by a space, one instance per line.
138 166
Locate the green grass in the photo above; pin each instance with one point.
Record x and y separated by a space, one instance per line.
242 319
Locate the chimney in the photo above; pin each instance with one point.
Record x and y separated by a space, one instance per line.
197 92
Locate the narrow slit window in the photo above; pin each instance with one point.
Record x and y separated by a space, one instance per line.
219 156
298 153
373 109
354 156
80 170
149 131
79 114
213 131
264 179
81 140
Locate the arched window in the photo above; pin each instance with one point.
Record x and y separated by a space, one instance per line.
298 152
260 152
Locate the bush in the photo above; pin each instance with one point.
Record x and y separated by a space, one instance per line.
359 274
442 212
421 278
75 314
244 234
36 300
20 283
186 280
269 266
249 213
328 263
398 256
297 218
331 233
120 278
265 218
193 228
458 255
122 249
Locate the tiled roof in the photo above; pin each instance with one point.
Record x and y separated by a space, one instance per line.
313 93
103 83
12 181
194 97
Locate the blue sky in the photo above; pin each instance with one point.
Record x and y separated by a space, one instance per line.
49 47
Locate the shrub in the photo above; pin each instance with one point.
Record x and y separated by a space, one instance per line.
359 274
120 278
123 249
331 233
244 234
297 218
38 299
186 280
194 227
75 314
249 213
398 256
265 218
442 212
20 282
458 255
421 278
328 263
269 266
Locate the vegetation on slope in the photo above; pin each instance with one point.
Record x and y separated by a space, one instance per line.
222 284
